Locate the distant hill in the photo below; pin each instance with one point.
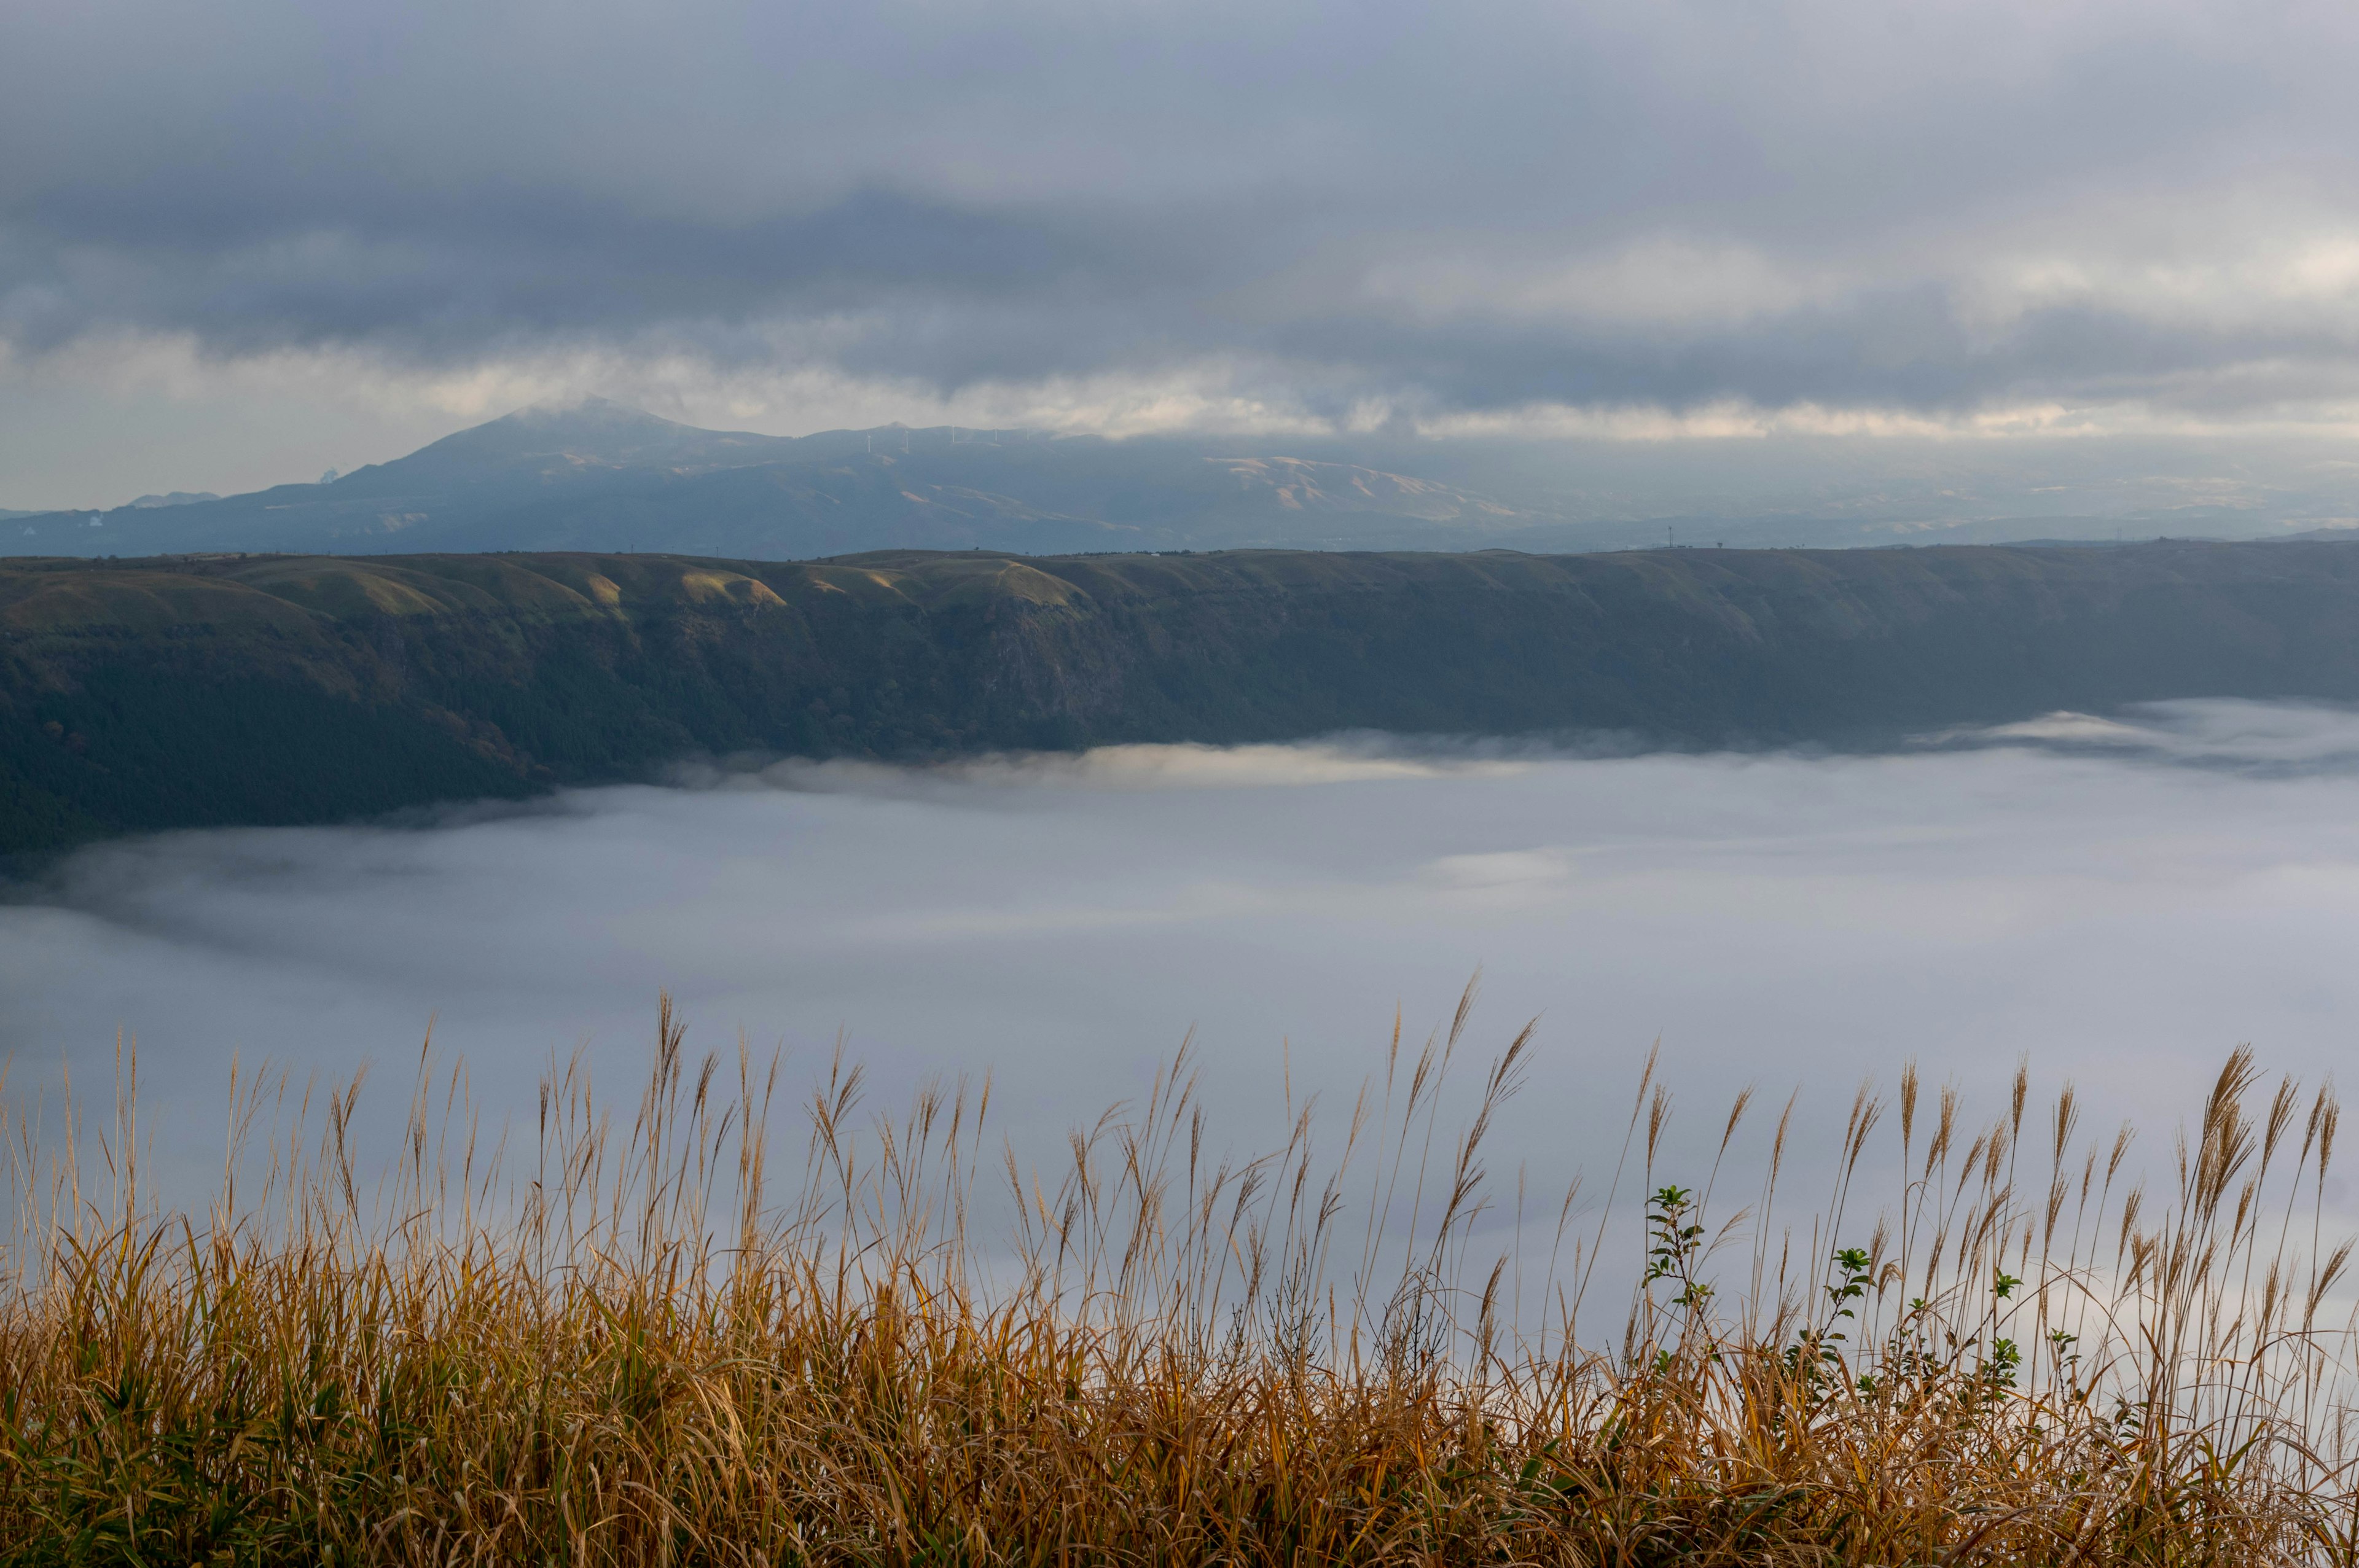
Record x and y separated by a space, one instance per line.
599 476
602 477
270 690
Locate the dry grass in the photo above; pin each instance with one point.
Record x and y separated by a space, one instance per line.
624 1346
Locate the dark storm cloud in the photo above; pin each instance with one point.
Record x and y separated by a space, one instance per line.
526 263
1455 208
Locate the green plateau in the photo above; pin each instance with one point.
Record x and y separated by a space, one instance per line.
212 690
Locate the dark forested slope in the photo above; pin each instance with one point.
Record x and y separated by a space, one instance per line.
179 691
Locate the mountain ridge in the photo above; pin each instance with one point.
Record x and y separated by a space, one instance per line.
208 690
600 475
593 474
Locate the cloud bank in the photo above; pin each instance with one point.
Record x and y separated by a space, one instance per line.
1512 215
2125 902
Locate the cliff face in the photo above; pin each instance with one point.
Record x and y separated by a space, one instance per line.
183 691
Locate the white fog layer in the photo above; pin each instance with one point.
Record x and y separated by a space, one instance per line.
2125 900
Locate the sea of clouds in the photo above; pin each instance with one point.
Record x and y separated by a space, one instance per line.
2123 900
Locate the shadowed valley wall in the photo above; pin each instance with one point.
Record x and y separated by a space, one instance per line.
275 689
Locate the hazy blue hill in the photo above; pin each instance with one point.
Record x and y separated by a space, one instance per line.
558 444
284 688
601 476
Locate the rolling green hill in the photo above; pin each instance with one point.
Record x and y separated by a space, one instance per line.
182 691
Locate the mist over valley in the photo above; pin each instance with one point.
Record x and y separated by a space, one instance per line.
2120 900
1222 783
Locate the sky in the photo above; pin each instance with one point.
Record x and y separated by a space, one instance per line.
244 242
2119 902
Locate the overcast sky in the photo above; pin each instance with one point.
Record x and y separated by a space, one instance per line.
243 240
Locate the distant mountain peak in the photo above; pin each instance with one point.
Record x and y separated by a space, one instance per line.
570 435
588 410
584 417
593 472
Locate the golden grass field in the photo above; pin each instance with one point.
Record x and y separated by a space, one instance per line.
631 1340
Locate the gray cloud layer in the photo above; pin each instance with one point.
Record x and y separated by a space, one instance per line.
1481 207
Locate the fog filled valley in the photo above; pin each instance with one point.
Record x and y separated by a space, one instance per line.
1080 1065
2120 900
917 785
1375 1028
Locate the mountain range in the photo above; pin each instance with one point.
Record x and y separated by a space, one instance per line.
602 477
599 476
